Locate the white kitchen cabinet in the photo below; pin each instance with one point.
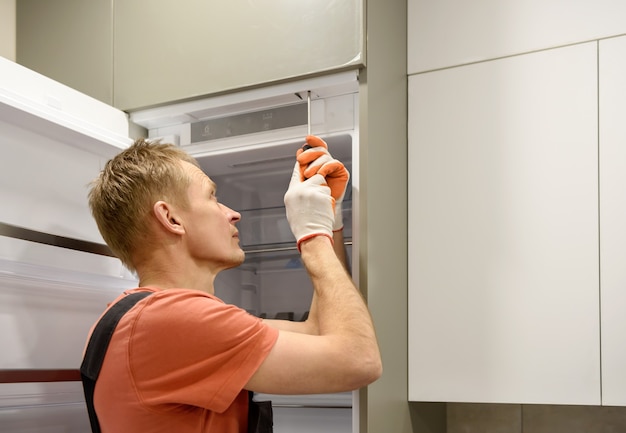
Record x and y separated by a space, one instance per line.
451 32
503 231
613 218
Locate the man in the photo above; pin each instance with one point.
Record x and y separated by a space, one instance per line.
183 361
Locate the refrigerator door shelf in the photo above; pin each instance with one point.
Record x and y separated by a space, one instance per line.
48 312
43 407
41 105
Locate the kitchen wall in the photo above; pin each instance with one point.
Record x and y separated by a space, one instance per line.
7 29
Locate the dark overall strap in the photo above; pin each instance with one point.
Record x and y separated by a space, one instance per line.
260 415
97 347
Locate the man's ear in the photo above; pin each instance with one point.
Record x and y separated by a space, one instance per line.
168 217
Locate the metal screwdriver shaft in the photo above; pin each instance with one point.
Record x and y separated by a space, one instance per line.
308 102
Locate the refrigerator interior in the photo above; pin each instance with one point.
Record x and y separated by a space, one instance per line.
246 143
272 282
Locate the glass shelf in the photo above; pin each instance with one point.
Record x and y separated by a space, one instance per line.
268 228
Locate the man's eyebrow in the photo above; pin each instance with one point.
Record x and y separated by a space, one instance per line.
212 185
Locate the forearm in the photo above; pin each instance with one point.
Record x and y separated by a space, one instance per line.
340 310
340 251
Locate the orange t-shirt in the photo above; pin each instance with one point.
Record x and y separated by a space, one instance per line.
177 362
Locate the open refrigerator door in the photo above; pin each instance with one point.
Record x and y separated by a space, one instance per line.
56 274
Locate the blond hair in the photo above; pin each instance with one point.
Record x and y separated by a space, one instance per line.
122 196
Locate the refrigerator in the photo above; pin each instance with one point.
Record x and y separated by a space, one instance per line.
56 274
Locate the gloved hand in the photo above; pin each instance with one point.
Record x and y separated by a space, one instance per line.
313 154
314 158
309 206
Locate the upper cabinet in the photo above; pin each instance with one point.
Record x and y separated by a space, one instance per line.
143 53
168 51
69 41
451 32
503 230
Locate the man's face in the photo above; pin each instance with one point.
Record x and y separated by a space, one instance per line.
213 239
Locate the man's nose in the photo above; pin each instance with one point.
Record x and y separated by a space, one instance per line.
233 216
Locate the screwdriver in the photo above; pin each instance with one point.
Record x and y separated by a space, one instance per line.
308 121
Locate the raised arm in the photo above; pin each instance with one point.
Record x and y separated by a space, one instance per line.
314 158
344 356
343 353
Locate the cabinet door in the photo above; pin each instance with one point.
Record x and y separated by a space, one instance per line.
503 231
189 48
613 218
451 32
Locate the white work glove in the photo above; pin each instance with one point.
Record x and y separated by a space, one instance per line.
314 158
309 207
